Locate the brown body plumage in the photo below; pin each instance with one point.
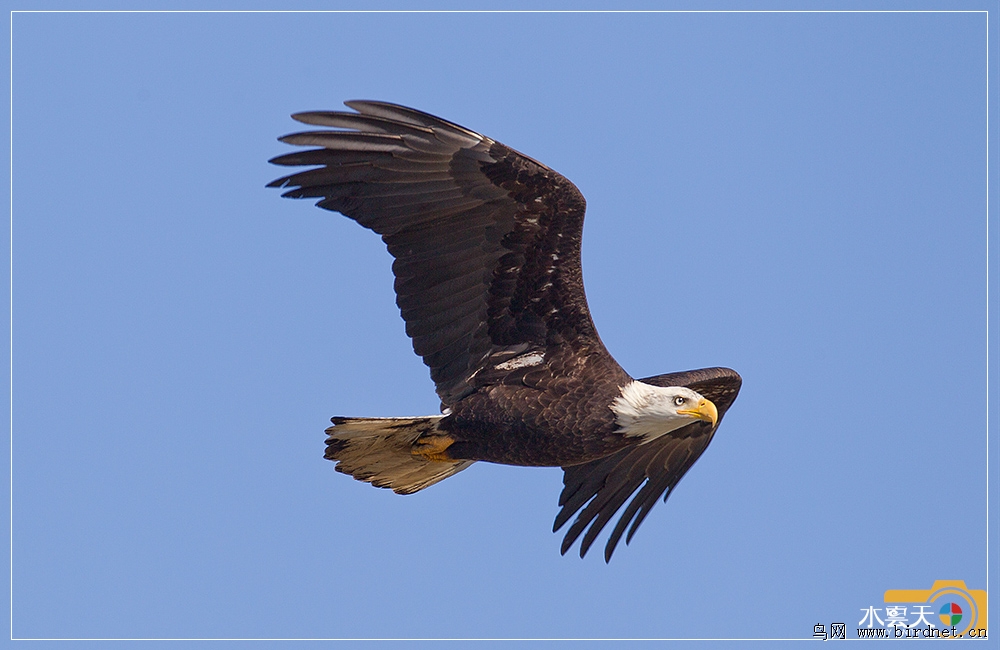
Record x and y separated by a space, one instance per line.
486 244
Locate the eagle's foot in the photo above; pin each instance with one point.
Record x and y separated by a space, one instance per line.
433 447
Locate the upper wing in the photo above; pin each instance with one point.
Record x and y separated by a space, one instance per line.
486 241
607 483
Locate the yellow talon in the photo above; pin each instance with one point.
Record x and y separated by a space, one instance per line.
433 447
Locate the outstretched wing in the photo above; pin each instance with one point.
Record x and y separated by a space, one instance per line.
657 466
486 241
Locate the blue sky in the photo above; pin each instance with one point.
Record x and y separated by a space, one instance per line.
182 335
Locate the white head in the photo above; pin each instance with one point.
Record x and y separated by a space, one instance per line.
651 411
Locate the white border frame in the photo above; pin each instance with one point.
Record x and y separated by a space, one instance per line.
471 11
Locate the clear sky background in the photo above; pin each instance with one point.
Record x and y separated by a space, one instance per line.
801 197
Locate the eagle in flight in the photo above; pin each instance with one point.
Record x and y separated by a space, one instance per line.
486 248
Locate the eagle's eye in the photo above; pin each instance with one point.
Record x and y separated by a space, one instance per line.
679 401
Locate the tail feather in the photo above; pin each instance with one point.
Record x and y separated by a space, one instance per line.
377 451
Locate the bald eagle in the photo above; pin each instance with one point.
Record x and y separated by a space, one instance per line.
486 243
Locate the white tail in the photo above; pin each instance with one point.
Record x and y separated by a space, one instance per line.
377 451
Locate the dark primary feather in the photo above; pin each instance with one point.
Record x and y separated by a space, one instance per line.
656 466
486 241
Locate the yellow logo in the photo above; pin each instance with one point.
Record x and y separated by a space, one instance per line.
951 602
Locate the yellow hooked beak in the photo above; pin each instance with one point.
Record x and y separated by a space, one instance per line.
704 411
